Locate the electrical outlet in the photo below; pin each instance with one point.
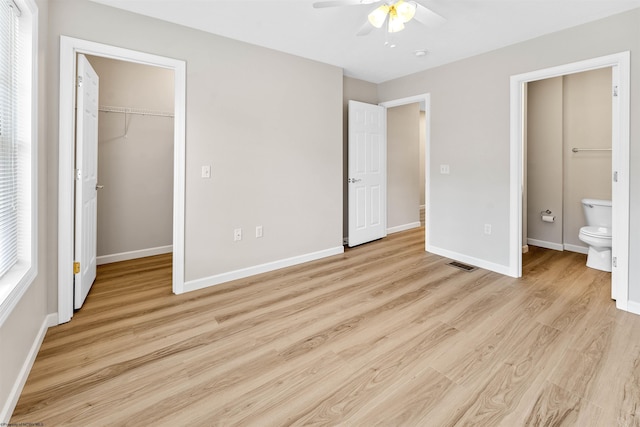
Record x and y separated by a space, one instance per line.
487 229
258 231
237 234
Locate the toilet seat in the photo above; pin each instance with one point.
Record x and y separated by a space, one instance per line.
595 231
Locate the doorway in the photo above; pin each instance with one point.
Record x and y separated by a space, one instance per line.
620 65
425 104
69 49
567 156
135 160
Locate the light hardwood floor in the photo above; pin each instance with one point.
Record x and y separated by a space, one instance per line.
385 334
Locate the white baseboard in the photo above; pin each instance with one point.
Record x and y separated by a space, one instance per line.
477 262
403 227
545 244
630 306
558 246
576 248
125 256
193 285
12 401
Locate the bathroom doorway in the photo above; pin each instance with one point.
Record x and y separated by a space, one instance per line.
567 153
620 96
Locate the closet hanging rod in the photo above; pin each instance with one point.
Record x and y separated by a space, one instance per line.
575 150
138 111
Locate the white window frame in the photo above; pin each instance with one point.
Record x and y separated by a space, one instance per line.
17 280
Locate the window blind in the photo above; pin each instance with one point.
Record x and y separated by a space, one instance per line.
9 54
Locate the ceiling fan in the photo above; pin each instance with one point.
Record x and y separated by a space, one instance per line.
395 13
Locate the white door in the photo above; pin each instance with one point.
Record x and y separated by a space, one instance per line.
367 179
86 180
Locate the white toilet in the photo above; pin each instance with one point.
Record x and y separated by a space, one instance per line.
597 233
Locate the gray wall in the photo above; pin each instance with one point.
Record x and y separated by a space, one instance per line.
470 131
544 160
268 123
135 159
403 165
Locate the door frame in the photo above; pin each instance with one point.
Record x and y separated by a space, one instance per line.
69 48
426 98
620 64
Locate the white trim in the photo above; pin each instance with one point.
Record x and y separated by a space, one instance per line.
69 48
141 253
477 262
21 379
426 98
258 269
403 227
545 244
633 307
576 248
620 63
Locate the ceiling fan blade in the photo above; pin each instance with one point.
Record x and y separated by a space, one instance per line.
427 16
337 3
365 29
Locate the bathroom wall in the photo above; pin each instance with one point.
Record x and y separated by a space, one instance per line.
544 162
135 161
403 166
563 113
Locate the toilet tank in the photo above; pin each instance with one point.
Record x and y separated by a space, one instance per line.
597 212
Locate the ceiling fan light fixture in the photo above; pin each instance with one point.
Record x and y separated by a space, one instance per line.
378 16
405 10
395 24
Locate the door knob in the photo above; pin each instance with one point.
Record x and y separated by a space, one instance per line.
354 180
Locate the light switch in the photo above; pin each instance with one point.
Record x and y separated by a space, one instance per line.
444 169
206 171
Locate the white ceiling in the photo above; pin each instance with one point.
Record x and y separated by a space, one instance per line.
329 35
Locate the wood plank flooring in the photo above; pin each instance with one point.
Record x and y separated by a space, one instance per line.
384 335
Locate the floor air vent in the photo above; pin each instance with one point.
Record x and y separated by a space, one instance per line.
462 266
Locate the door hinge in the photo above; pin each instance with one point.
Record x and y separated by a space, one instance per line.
77 174
615 91
615 176
79 81
614 261
76 267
